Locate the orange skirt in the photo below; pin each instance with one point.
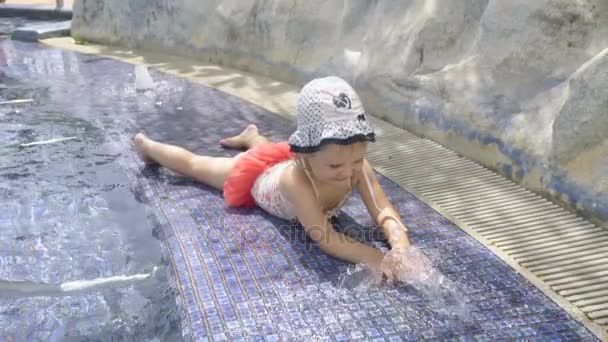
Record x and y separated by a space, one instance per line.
248 166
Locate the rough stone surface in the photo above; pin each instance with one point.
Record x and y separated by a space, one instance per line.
518 85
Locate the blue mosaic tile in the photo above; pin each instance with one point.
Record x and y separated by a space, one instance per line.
243 275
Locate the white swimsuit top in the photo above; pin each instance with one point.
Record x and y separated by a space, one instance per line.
268 196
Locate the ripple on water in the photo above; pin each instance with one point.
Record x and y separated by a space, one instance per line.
67 213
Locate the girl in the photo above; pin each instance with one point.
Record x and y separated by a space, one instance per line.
307 178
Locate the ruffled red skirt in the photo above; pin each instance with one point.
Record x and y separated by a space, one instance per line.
248 166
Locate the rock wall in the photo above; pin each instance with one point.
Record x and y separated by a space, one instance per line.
518 85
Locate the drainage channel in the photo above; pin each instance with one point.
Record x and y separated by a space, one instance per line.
562 254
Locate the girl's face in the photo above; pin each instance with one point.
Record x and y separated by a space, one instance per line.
337 163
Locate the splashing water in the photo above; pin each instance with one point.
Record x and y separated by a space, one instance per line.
413 268
143 80
443 294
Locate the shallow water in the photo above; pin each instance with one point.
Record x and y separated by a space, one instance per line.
68 212
441 295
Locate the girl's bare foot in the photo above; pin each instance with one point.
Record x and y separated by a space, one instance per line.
140 141
243 139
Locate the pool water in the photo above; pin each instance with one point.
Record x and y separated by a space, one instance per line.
69 211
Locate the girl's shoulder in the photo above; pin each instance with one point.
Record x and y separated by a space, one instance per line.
292 178
294 182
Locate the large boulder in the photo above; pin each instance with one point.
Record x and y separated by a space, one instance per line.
517 85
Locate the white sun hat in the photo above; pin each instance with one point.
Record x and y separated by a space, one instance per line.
329 111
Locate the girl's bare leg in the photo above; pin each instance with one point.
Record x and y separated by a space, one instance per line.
208 170
248 138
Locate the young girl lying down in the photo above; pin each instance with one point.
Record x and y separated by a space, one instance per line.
307 178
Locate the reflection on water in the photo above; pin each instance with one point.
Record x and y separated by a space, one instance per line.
68 211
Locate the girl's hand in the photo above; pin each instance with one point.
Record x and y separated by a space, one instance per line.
386 267
375 265
395 265
405 265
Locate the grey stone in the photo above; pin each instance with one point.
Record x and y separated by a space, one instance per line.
34 33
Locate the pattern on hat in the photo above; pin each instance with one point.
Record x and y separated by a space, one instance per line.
329 111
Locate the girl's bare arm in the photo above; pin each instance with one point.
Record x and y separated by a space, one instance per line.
317 226
381 209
